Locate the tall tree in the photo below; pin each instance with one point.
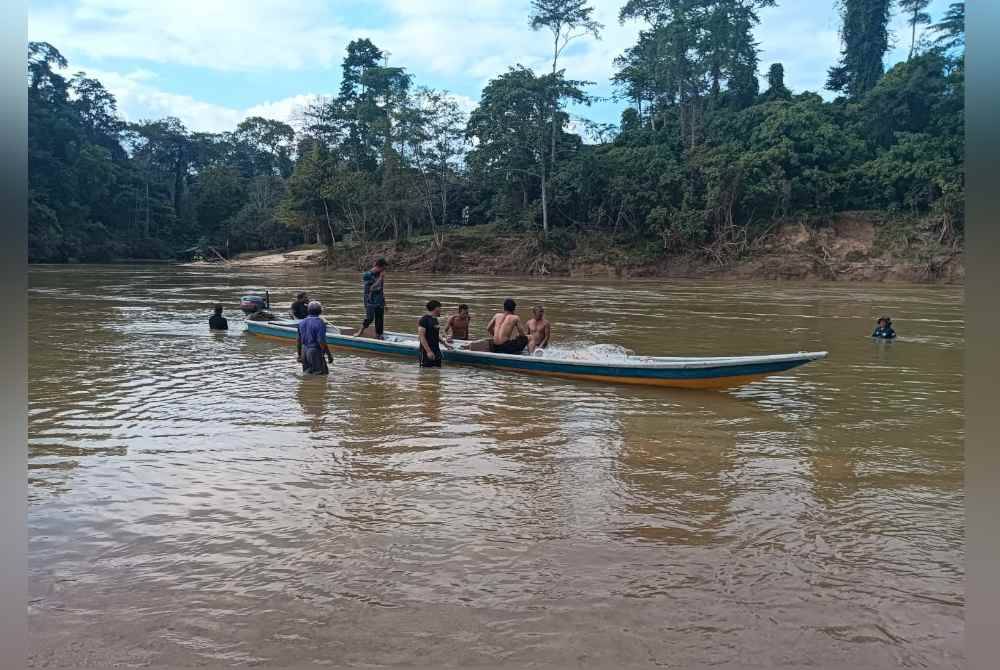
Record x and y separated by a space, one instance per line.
865 37
776 89
566 20
915 16
951 29
435 134
511 122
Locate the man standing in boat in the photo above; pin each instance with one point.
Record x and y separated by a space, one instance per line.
311 344
373 282
430 338
501 328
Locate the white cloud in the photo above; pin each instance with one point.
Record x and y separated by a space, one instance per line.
216 34
140 99
454 44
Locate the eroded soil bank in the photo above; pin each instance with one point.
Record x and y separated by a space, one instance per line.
857 246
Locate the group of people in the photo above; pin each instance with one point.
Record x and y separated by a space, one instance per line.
507 334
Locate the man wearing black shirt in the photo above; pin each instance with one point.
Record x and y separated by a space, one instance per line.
300 308
217 321
430 336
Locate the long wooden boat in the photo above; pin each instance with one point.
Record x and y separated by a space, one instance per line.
679 372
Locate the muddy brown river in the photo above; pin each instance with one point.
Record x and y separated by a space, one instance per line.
194 501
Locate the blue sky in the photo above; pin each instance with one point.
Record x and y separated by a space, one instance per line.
212 63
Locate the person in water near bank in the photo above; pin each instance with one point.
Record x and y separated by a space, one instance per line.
217 321
311 344
373 281
429 335
883 329
300 308
458 324
539 330
501 329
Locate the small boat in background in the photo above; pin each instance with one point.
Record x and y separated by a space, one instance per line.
679 372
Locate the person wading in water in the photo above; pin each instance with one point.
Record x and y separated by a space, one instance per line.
458 324
217 321
373 281
502 326
311 344
429 336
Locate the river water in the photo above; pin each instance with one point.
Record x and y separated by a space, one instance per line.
195 501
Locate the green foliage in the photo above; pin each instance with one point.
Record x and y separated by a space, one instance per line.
865 36
700 161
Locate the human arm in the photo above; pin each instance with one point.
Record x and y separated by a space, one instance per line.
298 345
546 334
519 327
491 326
323 345
422 336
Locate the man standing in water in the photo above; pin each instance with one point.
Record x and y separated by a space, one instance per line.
217 321
502 326
311 344
429 336
458 324
374 281
539 330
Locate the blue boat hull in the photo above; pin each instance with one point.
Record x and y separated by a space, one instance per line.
700 373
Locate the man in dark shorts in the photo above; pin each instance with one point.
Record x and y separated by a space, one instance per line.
373 281
217 321
300 308
311 344
458 324
429 336
501 328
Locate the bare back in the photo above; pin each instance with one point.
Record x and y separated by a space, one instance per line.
504 325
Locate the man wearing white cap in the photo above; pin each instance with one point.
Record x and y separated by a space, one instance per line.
312 344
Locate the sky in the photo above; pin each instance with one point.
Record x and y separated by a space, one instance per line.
213 63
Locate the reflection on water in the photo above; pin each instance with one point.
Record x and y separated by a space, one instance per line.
216 506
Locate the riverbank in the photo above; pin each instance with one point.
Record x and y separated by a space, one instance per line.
854 246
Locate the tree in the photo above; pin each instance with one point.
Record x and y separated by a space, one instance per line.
776 89
865 37
435 134
951 29
915 15
264 147
511 121
566 20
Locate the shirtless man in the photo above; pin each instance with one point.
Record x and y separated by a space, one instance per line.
458 324
539 330
502 326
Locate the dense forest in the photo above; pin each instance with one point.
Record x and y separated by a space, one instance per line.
702 158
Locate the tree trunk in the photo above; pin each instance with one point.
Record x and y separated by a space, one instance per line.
913 35
545 206
555 102
329 224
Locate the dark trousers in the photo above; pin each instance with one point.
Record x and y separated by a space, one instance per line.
375 314
513 346
428 363
314 361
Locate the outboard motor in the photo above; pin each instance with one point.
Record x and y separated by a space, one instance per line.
257 308
255 303
252 303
